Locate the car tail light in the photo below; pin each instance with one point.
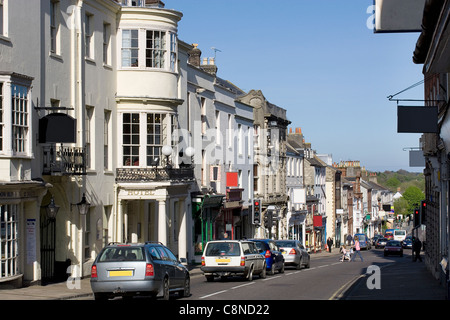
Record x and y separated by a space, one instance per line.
94 271
268 254
242 261
149 271
293 251
203 261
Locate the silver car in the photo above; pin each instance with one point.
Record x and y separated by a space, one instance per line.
232 257
294 253
138 269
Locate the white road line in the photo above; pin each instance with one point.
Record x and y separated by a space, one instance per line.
213 294
271 278
243 285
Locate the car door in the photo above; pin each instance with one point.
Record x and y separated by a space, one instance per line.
178 272
167 265
277 253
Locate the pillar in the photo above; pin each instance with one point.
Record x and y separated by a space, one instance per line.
162 222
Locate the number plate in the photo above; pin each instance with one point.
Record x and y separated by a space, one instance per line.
222 260
121 273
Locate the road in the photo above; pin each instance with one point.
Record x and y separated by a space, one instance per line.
326 279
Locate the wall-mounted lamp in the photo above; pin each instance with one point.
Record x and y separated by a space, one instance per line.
167 151
52 209
83 206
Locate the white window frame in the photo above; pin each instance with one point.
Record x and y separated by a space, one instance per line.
20 124
89 35
55 44
129 48
9 237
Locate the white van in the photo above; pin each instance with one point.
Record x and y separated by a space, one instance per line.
399 235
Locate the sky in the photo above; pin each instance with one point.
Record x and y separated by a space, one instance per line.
319 60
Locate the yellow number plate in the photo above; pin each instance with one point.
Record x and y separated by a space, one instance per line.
121 273
222 260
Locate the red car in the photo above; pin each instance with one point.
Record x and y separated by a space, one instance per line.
393 247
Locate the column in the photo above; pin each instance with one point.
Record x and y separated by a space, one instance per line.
162 222
182 235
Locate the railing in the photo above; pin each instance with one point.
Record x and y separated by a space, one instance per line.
64 161
142 3
185 174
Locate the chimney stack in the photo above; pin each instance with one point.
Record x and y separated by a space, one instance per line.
194 56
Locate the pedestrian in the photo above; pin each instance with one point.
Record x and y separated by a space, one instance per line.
349 240
417 246
329 244
345 254
357 250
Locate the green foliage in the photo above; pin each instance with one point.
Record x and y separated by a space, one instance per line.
401 180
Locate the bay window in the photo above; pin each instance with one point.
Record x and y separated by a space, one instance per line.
15 114
147 49
143 136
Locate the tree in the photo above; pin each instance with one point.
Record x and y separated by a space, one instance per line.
413 196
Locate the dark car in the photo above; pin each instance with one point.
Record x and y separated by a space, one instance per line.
128 270
407 243
381 242
393 247
375 238
270 250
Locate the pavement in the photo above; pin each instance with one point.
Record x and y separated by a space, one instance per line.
423 286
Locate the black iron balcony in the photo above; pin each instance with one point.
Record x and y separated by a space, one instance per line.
183 174
64 160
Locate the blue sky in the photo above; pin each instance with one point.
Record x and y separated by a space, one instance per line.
318 60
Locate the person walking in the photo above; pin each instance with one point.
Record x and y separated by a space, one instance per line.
349 240
329 244
357 250
417 246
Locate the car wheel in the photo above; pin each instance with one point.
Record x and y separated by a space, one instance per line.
299 265
308 264
166 293
187 287
281 269
263 273
272 269
250 274
209 278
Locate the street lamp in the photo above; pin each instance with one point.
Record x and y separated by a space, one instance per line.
83 206
52 209
167 151
190 153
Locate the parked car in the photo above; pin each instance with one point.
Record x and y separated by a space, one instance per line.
294 253
381 242
269 250
407 243
138 269
364 241
232 257
375 238
393 247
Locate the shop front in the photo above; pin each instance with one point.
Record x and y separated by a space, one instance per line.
205 209
20 205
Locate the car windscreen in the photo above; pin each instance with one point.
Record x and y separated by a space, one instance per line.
393 244
124 253
361 237
223 249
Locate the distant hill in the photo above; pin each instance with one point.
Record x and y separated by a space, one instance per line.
401 179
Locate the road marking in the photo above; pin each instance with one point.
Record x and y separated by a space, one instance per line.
213 294
243 285
271 278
